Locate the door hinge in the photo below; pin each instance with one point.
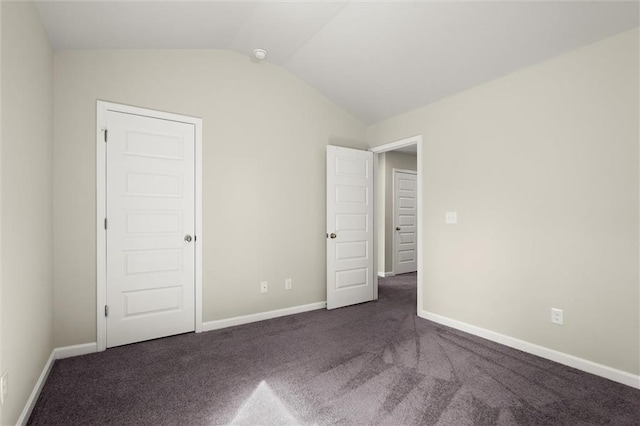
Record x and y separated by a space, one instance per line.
106 310
105 223
105 134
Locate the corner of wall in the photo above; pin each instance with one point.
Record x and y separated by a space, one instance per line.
26 203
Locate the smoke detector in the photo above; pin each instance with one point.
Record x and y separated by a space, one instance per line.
260 54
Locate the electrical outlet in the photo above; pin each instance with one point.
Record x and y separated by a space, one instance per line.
4 386
556 316
287 284
264 287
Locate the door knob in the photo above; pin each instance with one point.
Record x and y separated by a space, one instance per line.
333 235
187 238
397 228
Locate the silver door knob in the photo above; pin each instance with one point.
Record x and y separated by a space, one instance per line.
187 238
397 228
332 235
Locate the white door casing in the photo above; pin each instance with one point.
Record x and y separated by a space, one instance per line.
350 209
392 146
405 257
149 273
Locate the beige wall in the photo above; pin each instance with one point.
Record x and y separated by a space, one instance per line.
265 134
542 169
27 125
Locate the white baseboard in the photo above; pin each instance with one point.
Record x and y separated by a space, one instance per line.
56 353
386 274
75 350
35 393
541 351
246 319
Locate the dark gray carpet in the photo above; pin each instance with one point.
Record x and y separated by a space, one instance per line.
375 363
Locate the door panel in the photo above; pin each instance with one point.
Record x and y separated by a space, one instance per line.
405 202
350 219
150 209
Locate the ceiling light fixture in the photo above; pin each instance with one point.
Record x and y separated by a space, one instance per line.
260 54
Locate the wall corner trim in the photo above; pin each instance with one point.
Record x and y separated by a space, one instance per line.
56 353
386 274
247 319
582 364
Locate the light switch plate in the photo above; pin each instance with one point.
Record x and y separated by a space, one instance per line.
451 218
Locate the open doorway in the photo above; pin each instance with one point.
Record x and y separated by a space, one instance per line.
398 210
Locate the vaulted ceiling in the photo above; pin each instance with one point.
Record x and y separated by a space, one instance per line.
374 59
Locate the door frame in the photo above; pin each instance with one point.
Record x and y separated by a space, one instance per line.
391 146
394 251
102 107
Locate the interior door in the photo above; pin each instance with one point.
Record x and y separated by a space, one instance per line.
404 219
349 227
150 223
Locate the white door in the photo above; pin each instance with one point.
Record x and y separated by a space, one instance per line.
404 220
349 227
150 225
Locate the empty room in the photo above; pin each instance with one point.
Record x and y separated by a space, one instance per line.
319 212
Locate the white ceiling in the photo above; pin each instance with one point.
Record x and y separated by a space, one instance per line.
374 59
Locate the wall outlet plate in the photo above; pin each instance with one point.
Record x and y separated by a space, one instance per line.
264 286
4 386
557 316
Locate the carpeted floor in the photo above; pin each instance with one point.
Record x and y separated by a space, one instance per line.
375 363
